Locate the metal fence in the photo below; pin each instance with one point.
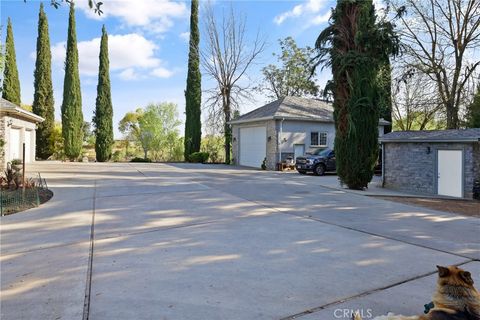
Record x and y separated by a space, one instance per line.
17 200
12 201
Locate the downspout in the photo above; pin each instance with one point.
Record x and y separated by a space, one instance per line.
383 165
279 141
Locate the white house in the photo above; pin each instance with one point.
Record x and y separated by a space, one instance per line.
17 126
287 127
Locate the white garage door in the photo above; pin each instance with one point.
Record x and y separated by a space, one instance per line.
253 146
28 146
14 146
450 173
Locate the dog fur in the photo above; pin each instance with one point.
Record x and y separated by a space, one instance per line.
455 298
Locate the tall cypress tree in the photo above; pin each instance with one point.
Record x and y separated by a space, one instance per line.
385 93
11 83
193 92
103 108
357 48
72 116
43 104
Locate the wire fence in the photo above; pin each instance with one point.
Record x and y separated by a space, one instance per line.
12 201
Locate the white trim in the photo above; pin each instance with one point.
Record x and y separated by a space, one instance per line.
19 112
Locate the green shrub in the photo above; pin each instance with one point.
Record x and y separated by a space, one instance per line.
117 156
199 157
16 162
138 159
264 164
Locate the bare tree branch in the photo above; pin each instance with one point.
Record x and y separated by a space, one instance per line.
226 57
439 36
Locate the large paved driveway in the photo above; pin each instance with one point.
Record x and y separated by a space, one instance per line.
157 241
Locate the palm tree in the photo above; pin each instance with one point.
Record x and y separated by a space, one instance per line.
356 46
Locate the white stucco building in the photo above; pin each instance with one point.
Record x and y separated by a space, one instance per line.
17 126
287 127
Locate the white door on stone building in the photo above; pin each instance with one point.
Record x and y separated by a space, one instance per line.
299 150
450 173
14 144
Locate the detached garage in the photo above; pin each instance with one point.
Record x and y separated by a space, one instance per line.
438 162
17 126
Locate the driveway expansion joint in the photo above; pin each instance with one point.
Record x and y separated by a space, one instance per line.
366 293
88 286
308 217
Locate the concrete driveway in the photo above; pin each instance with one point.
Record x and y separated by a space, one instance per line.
158 241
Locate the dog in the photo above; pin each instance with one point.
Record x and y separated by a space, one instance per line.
454 299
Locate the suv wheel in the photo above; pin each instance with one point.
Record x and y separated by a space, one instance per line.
319 170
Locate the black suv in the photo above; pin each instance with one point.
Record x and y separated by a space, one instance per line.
319 162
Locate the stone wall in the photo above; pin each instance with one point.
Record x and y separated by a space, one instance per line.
2 136
272 139
410 167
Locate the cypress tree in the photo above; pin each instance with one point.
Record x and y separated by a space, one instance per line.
11 83
193 92
43 104
357 47
385 93
72 116
103 108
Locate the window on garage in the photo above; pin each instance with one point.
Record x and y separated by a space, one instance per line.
318 138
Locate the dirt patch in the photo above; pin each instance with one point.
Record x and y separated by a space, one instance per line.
45 195
463 207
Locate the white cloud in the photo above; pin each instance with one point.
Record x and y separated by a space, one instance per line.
127 52
162 73
152 15
321 18
309 7
185 36
129 74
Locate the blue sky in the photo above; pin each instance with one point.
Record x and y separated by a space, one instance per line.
148 43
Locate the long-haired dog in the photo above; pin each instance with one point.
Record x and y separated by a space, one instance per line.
455 298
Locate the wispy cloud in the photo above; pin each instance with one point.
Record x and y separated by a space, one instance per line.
185 36
162 72
311 12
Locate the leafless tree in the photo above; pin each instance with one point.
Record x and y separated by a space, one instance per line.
226 57
440 38
415 103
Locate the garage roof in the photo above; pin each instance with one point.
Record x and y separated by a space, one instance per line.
461 135
292 108
12 109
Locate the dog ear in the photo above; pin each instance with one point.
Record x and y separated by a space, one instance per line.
442 271
466 276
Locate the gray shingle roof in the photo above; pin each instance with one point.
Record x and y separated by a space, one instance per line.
466 135
5 104
293 108
12 109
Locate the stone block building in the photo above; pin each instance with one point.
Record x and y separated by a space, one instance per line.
437 162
